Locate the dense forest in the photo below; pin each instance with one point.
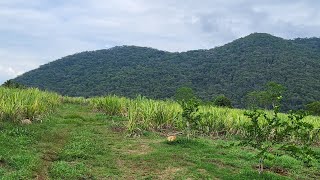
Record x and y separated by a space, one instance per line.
234 70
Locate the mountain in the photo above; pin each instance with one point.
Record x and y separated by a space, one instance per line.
234 69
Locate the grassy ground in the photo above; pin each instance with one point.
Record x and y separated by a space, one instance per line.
76 143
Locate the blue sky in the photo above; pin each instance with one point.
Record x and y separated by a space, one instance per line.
35 32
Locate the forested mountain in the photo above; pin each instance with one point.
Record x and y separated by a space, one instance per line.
313 43
234 69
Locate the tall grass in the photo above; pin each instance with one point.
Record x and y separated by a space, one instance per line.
147 114
75 100
111 105
142 113
19 104
220 120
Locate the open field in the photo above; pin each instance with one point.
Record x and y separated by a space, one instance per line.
78 138
76 143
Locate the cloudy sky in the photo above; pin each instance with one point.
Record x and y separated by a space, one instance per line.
34 32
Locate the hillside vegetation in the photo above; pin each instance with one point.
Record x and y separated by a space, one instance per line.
234 70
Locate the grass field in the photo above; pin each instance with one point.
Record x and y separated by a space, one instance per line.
77 143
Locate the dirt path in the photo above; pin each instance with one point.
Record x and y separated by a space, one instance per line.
80 140
51 145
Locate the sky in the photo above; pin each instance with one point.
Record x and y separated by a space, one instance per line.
35 32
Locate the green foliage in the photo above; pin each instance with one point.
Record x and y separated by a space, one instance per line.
184 94
234 69
273 135
12 84
145 114
111 105
222 101
314 108
313 43
267 98
190 117
142 113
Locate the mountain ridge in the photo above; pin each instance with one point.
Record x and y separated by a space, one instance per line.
233 69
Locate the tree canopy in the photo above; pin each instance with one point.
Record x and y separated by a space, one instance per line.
314 108
12 84
184 94
267 98
222 101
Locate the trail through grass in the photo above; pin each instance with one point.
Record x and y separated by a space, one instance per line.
76 143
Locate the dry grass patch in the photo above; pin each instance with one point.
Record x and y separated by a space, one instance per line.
139 149
169 173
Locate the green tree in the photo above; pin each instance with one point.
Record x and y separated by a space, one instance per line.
184 94
273 136
190 115
266 98
273 92
255 99
314 108
222 101
12 84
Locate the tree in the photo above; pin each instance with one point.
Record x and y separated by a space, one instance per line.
314 108
223 101
266 98
273 136
273 92
12 84
190 116
184 94
255 99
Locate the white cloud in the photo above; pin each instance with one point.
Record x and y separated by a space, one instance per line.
38 31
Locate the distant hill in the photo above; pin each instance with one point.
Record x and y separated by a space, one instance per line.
234 69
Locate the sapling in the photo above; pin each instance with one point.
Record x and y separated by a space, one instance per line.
273 135
189 115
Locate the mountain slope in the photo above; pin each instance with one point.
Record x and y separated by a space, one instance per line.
234 69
